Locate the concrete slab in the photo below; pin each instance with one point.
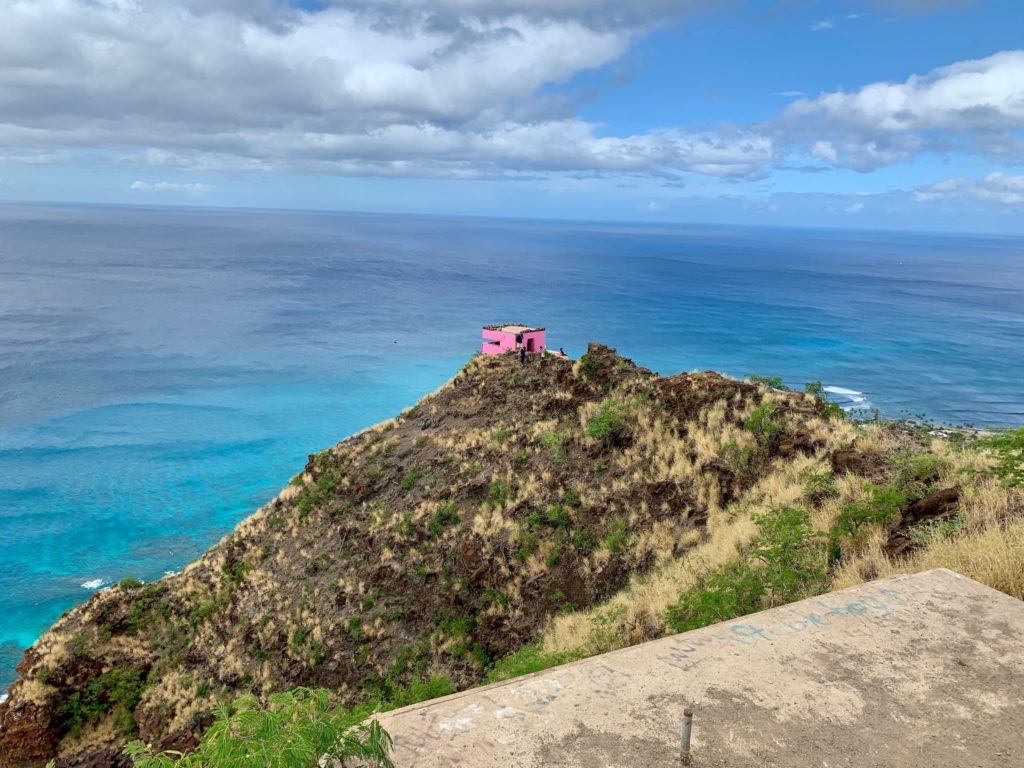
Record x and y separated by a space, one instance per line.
916 670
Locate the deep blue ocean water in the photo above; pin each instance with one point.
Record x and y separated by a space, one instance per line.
164 372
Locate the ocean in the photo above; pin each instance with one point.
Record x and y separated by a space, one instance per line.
163 372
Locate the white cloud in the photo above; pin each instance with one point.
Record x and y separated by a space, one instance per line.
438 89
999 188
391 87
195 188
822 25
825 150
33 157
974 106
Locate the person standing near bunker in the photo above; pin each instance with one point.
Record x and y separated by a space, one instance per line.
522 355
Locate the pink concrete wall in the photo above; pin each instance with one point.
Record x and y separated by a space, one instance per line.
506 342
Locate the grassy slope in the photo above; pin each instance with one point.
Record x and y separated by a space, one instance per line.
570 503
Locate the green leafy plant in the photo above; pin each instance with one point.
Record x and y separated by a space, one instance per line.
499 493
117 690
555 443
775 382
616 535
530 658
764 422
584 540
790 553
815 389
297 729
914 472
723 594
820 486
881 507
930 530
446 515
1008 450
528 544
410 478
607 425
741 459
589 366
785 562
557 516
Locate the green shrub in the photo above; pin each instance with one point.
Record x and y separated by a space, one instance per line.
528 544
434 687
446 515
129 583
820 486
79 644
369 600
914 472
1008 449
530 658
584 540
775 382
739 458
410 478
499 493
731 591
117 690
791 555
321 490
557 516
880 508
297 729
354 625
930 530
833 411
143 607
457 626
608 424
499 436
494 595
786 562
589 366
406 527
571 499
616 535
815 389
765 424
555 444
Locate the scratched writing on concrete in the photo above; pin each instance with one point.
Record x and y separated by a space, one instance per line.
810 615
532 698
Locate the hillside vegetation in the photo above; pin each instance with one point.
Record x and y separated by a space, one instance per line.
518 517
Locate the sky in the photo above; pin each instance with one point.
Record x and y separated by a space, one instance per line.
905 114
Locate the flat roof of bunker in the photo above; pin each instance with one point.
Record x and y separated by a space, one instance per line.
512 328
908 671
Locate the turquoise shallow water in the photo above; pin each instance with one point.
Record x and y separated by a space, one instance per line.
164 372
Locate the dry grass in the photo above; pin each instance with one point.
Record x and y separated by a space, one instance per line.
993 555
990 549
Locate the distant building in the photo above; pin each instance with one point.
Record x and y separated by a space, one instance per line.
499 339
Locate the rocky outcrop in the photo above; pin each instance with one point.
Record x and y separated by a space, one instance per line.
429 545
